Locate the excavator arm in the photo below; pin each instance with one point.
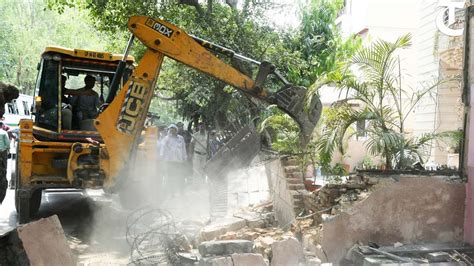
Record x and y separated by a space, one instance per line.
121 123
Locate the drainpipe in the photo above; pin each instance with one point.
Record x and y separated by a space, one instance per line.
467 152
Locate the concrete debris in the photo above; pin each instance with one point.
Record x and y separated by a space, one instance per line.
248 259
252 219
225 247
313 261
242 259
438 256
216 261
421 209
220 226
445 254
335 198
262 238
40 242
287 252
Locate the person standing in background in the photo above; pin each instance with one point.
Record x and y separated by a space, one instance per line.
4 148
199 148
173 154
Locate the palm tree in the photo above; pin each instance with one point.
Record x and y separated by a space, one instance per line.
377 96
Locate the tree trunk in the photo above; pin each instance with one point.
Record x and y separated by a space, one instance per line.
388 162
194 3
19 70
232 3
209 7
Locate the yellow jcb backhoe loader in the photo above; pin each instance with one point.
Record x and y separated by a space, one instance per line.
95 153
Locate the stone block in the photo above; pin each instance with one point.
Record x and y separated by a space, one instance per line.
221 226
355 185
266 241
372 181
295 175
313 261
225 247
248 259
289 161
294 181
45 243
295 186
287 252
216 261
291 169
252 219
438 257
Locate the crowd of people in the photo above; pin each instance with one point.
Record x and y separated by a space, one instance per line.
184 154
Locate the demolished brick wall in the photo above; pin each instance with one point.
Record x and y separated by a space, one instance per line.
413 210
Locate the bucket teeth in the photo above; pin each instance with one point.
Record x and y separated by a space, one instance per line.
291 100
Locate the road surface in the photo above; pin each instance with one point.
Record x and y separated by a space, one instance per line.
95 224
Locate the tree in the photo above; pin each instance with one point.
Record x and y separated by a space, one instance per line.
313 53
241 29
375 95
27 27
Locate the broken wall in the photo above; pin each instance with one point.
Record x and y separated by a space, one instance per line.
248 186
281 197
285 176
413 210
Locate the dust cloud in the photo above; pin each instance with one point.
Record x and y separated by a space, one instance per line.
148 221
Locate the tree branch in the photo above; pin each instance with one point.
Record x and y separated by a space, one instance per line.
194 3
232 3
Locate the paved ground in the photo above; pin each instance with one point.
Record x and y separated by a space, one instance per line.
95 224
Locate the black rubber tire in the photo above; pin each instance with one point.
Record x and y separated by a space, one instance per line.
35 201
21 204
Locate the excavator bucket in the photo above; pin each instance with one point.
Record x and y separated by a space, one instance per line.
291 100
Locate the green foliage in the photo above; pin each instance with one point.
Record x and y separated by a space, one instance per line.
284 131
312 57
241 29
336 170
312 49
366 163
376 96
318 44
27 27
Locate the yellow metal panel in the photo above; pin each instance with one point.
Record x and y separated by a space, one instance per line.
104 56
118 124
172 41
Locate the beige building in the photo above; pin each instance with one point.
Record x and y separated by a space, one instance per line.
428 60
439 57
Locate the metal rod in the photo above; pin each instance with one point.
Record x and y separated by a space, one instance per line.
119 72
128 48
281 77
223 50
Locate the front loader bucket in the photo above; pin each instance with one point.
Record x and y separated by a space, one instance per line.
291 100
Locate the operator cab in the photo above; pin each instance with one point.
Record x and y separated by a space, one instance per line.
71 85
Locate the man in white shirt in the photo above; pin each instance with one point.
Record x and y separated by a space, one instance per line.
173 154
199 148
4 148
